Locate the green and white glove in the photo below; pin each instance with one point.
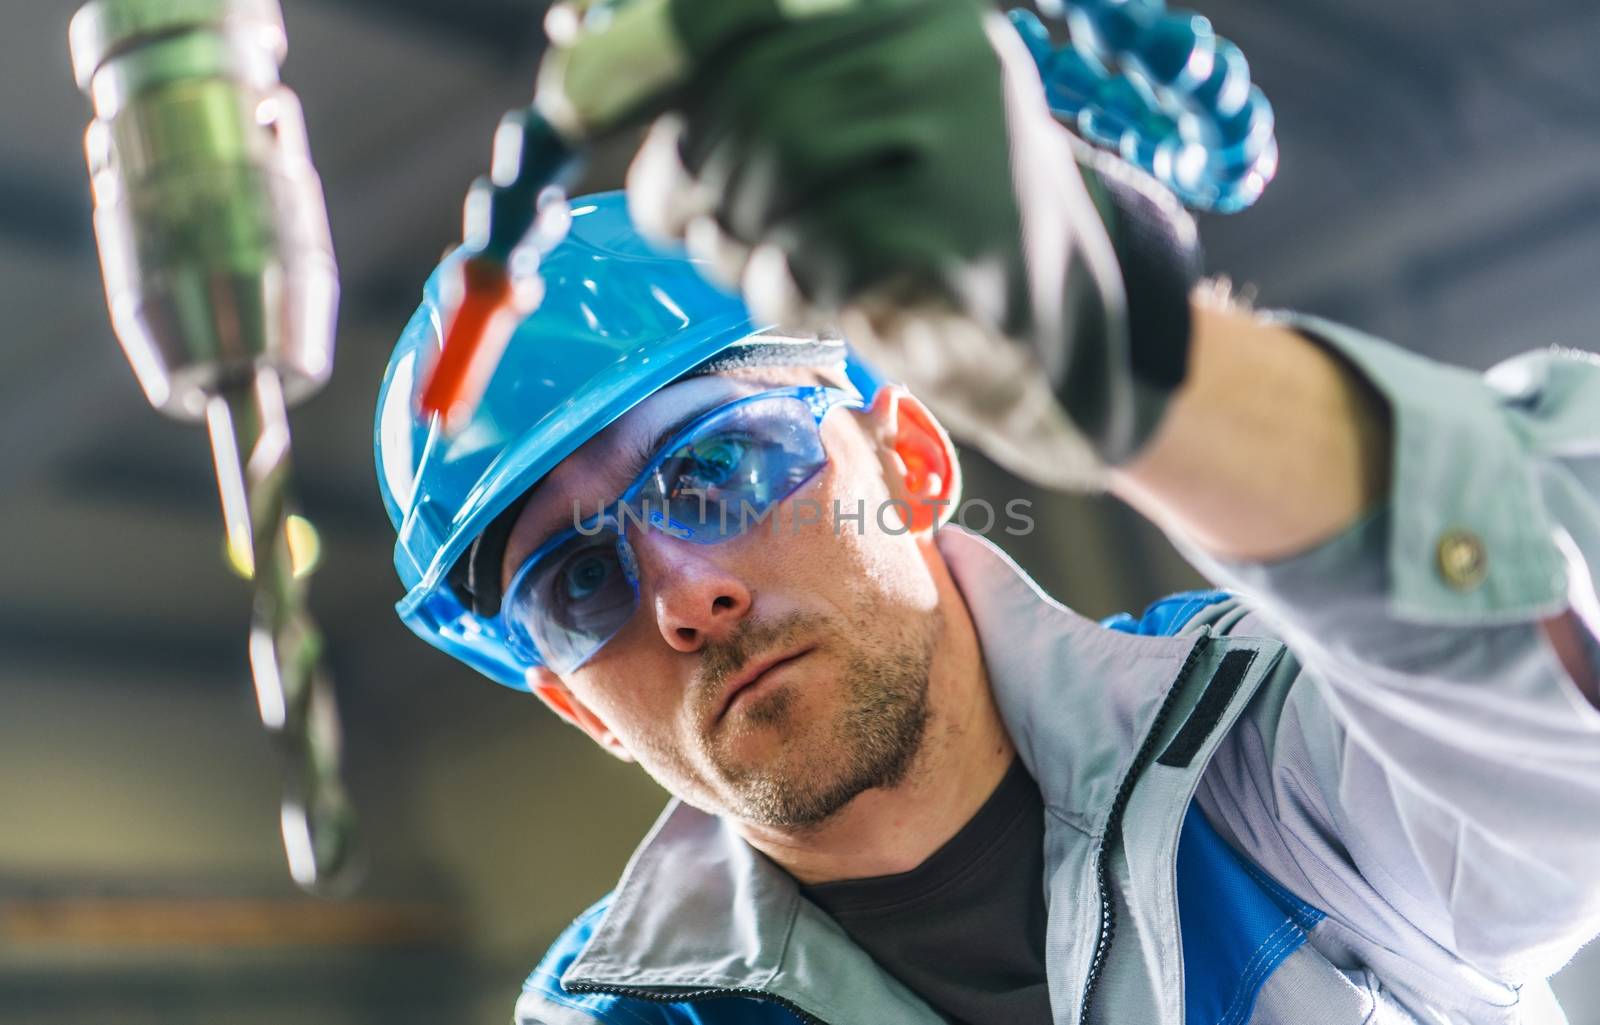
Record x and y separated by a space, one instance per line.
891 166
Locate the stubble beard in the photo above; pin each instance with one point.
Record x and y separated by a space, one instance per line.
871 741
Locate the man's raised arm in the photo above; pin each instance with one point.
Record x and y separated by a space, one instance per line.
1425 539
1278 443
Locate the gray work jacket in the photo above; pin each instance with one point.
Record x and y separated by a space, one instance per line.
1378 728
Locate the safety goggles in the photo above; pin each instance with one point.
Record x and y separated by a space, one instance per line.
717 477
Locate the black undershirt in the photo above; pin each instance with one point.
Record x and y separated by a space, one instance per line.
965 929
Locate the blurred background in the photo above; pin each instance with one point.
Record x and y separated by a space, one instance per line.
1437 187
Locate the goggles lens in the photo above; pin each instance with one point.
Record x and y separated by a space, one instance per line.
563 607
720 476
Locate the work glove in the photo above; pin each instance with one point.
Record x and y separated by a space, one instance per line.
891 167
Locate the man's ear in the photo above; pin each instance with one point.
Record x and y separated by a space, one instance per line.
919 457
547 687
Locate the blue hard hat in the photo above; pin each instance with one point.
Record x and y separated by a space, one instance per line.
620 319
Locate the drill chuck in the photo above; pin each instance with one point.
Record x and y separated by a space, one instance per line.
212 231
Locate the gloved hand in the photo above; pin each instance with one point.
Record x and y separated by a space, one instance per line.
891 166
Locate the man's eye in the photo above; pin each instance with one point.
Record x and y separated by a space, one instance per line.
707 463
585 576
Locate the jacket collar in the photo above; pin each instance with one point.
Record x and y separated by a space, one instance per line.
698 907
1075 696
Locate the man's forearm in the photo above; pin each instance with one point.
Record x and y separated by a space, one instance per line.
1272 445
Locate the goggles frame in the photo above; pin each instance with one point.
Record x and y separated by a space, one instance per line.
818 400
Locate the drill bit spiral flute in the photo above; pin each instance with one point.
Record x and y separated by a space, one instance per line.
222 288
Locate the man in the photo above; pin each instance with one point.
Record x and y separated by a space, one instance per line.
913 789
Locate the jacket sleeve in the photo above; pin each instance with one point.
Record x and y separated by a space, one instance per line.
1435 769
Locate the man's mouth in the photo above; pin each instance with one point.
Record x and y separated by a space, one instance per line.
754 674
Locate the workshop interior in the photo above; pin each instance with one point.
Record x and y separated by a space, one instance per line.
234 787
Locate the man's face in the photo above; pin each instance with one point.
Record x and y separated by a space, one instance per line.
773 676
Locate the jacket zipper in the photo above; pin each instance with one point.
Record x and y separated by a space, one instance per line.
1141 758
689 996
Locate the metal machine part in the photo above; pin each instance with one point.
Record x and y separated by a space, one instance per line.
212 231
222 288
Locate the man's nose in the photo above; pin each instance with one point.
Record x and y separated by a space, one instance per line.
694 597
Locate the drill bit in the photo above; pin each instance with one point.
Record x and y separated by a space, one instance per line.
250 443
